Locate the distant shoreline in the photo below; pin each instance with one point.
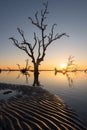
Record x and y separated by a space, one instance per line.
31 70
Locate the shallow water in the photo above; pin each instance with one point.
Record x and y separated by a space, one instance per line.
71 87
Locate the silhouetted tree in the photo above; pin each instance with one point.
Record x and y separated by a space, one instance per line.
41 42
70 64
25 69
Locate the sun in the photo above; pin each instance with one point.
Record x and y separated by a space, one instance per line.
63 65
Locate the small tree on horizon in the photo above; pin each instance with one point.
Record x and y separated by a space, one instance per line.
41 42
70 63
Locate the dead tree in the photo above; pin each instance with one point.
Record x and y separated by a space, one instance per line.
70 63
41 42
25 69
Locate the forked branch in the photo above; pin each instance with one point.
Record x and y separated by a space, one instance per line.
40 22
21 33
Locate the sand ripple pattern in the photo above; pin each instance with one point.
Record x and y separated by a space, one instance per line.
37 109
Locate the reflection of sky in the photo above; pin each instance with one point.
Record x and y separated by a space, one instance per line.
48 78
71 17
16 77
75 95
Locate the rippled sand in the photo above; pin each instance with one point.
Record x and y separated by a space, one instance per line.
33 108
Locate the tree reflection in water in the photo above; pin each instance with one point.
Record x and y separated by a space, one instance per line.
36 81
26 74
69 78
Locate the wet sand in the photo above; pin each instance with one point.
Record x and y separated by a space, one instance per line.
33 108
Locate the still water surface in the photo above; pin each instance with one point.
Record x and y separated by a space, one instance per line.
71 87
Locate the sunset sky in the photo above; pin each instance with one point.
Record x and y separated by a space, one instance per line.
70 17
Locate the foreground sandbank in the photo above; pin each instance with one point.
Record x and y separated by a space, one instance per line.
33 108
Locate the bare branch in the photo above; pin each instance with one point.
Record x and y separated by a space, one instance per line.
45 10
52 38
39 48
30 49
20 46
15 42
59 36
40 24
52 30
21 33
36 16
35 39
27 44
43 16
34 23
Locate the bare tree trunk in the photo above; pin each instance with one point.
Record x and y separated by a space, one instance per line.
36 75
